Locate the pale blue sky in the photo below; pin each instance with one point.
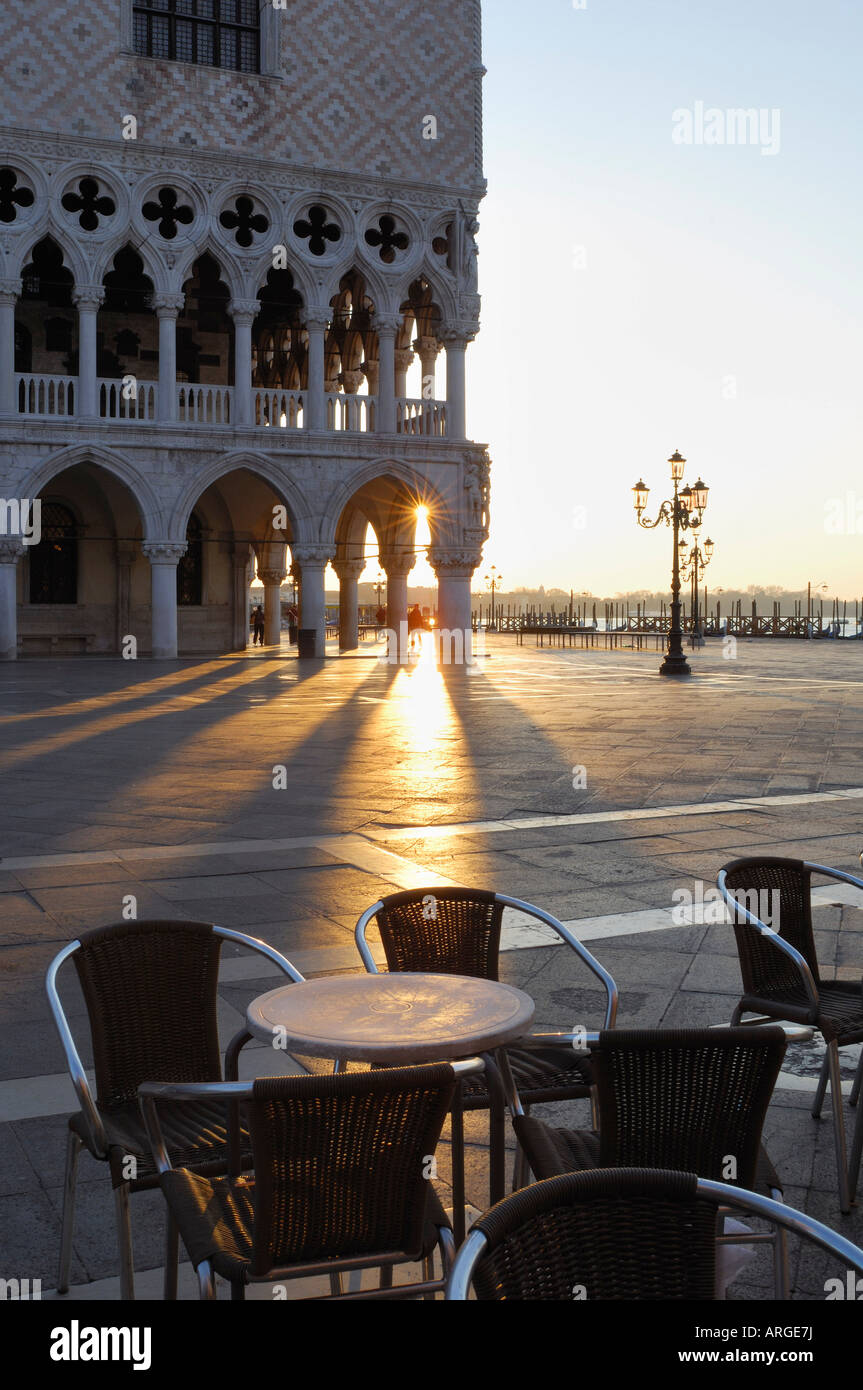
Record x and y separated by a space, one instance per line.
700 264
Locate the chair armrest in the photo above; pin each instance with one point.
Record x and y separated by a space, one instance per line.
579 1040
360 938
73 1060
149 1092
253 943
838 874
581 951
738 909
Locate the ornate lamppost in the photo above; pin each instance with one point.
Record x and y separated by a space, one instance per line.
493 582
683 512
692 566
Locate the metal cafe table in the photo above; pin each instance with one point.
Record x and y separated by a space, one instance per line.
396 1020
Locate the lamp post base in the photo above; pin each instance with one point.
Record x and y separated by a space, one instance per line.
675 666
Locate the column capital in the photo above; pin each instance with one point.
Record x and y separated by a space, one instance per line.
349 569
244 309
88 296
164 552
455 564
318 316
457 334
398 564
11 550
272 577
404 358
10 289
311 556
168 306
387 323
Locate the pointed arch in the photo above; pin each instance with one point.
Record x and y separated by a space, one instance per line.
263 467
151 511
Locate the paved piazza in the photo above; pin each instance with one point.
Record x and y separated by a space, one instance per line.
155 781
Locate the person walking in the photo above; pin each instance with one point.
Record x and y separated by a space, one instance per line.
258 625
416 625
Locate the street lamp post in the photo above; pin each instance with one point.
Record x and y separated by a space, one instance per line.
692 566
685 511
493 582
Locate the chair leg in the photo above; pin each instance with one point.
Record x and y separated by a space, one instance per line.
336 1285
856 1155
822 1086
73 1153
206 1280
124 1238
172 1257
858 1077
839 1127
520 1172
386 1279
781 1273
238 1291
457 1136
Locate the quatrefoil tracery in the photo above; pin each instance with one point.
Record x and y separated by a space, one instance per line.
89 204
244 222
387 239
13 195
317 230
168 211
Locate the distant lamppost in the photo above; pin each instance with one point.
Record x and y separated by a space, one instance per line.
379 586
692 566
683 512
493 582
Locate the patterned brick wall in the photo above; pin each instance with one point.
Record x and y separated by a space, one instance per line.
354 84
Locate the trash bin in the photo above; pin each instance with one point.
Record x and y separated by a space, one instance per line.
306 642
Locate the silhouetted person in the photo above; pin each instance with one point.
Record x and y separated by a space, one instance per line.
293 624
416 625
258 625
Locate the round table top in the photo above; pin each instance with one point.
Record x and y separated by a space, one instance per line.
394 1019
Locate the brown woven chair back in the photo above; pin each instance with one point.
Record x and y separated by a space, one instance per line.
780 887
445 931
689 1099
150 990
607 1234
342 1162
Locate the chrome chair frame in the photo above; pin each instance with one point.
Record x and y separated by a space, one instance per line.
96 1128
150 1093
723 1194
847 1172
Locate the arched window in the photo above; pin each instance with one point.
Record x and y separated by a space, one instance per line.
54 561
190 570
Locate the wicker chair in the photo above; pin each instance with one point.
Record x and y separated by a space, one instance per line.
151 993
615 1234
781 979
693 1100
340 1180
456 931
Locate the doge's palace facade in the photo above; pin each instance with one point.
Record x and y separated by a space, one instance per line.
238 260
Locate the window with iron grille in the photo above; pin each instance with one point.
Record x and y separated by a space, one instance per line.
218 33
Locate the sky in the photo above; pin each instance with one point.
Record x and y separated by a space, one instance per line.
642 295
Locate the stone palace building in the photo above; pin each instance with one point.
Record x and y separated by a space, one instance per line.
237 260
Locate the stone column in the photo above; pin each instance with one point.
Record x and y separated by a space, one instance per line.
349 572
397 569
427 350
387 327
403 359
167 307
317 323
164 557
240 590
244 313
10 553
9 292
272 581
454 570
88 299
125 558
313 561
